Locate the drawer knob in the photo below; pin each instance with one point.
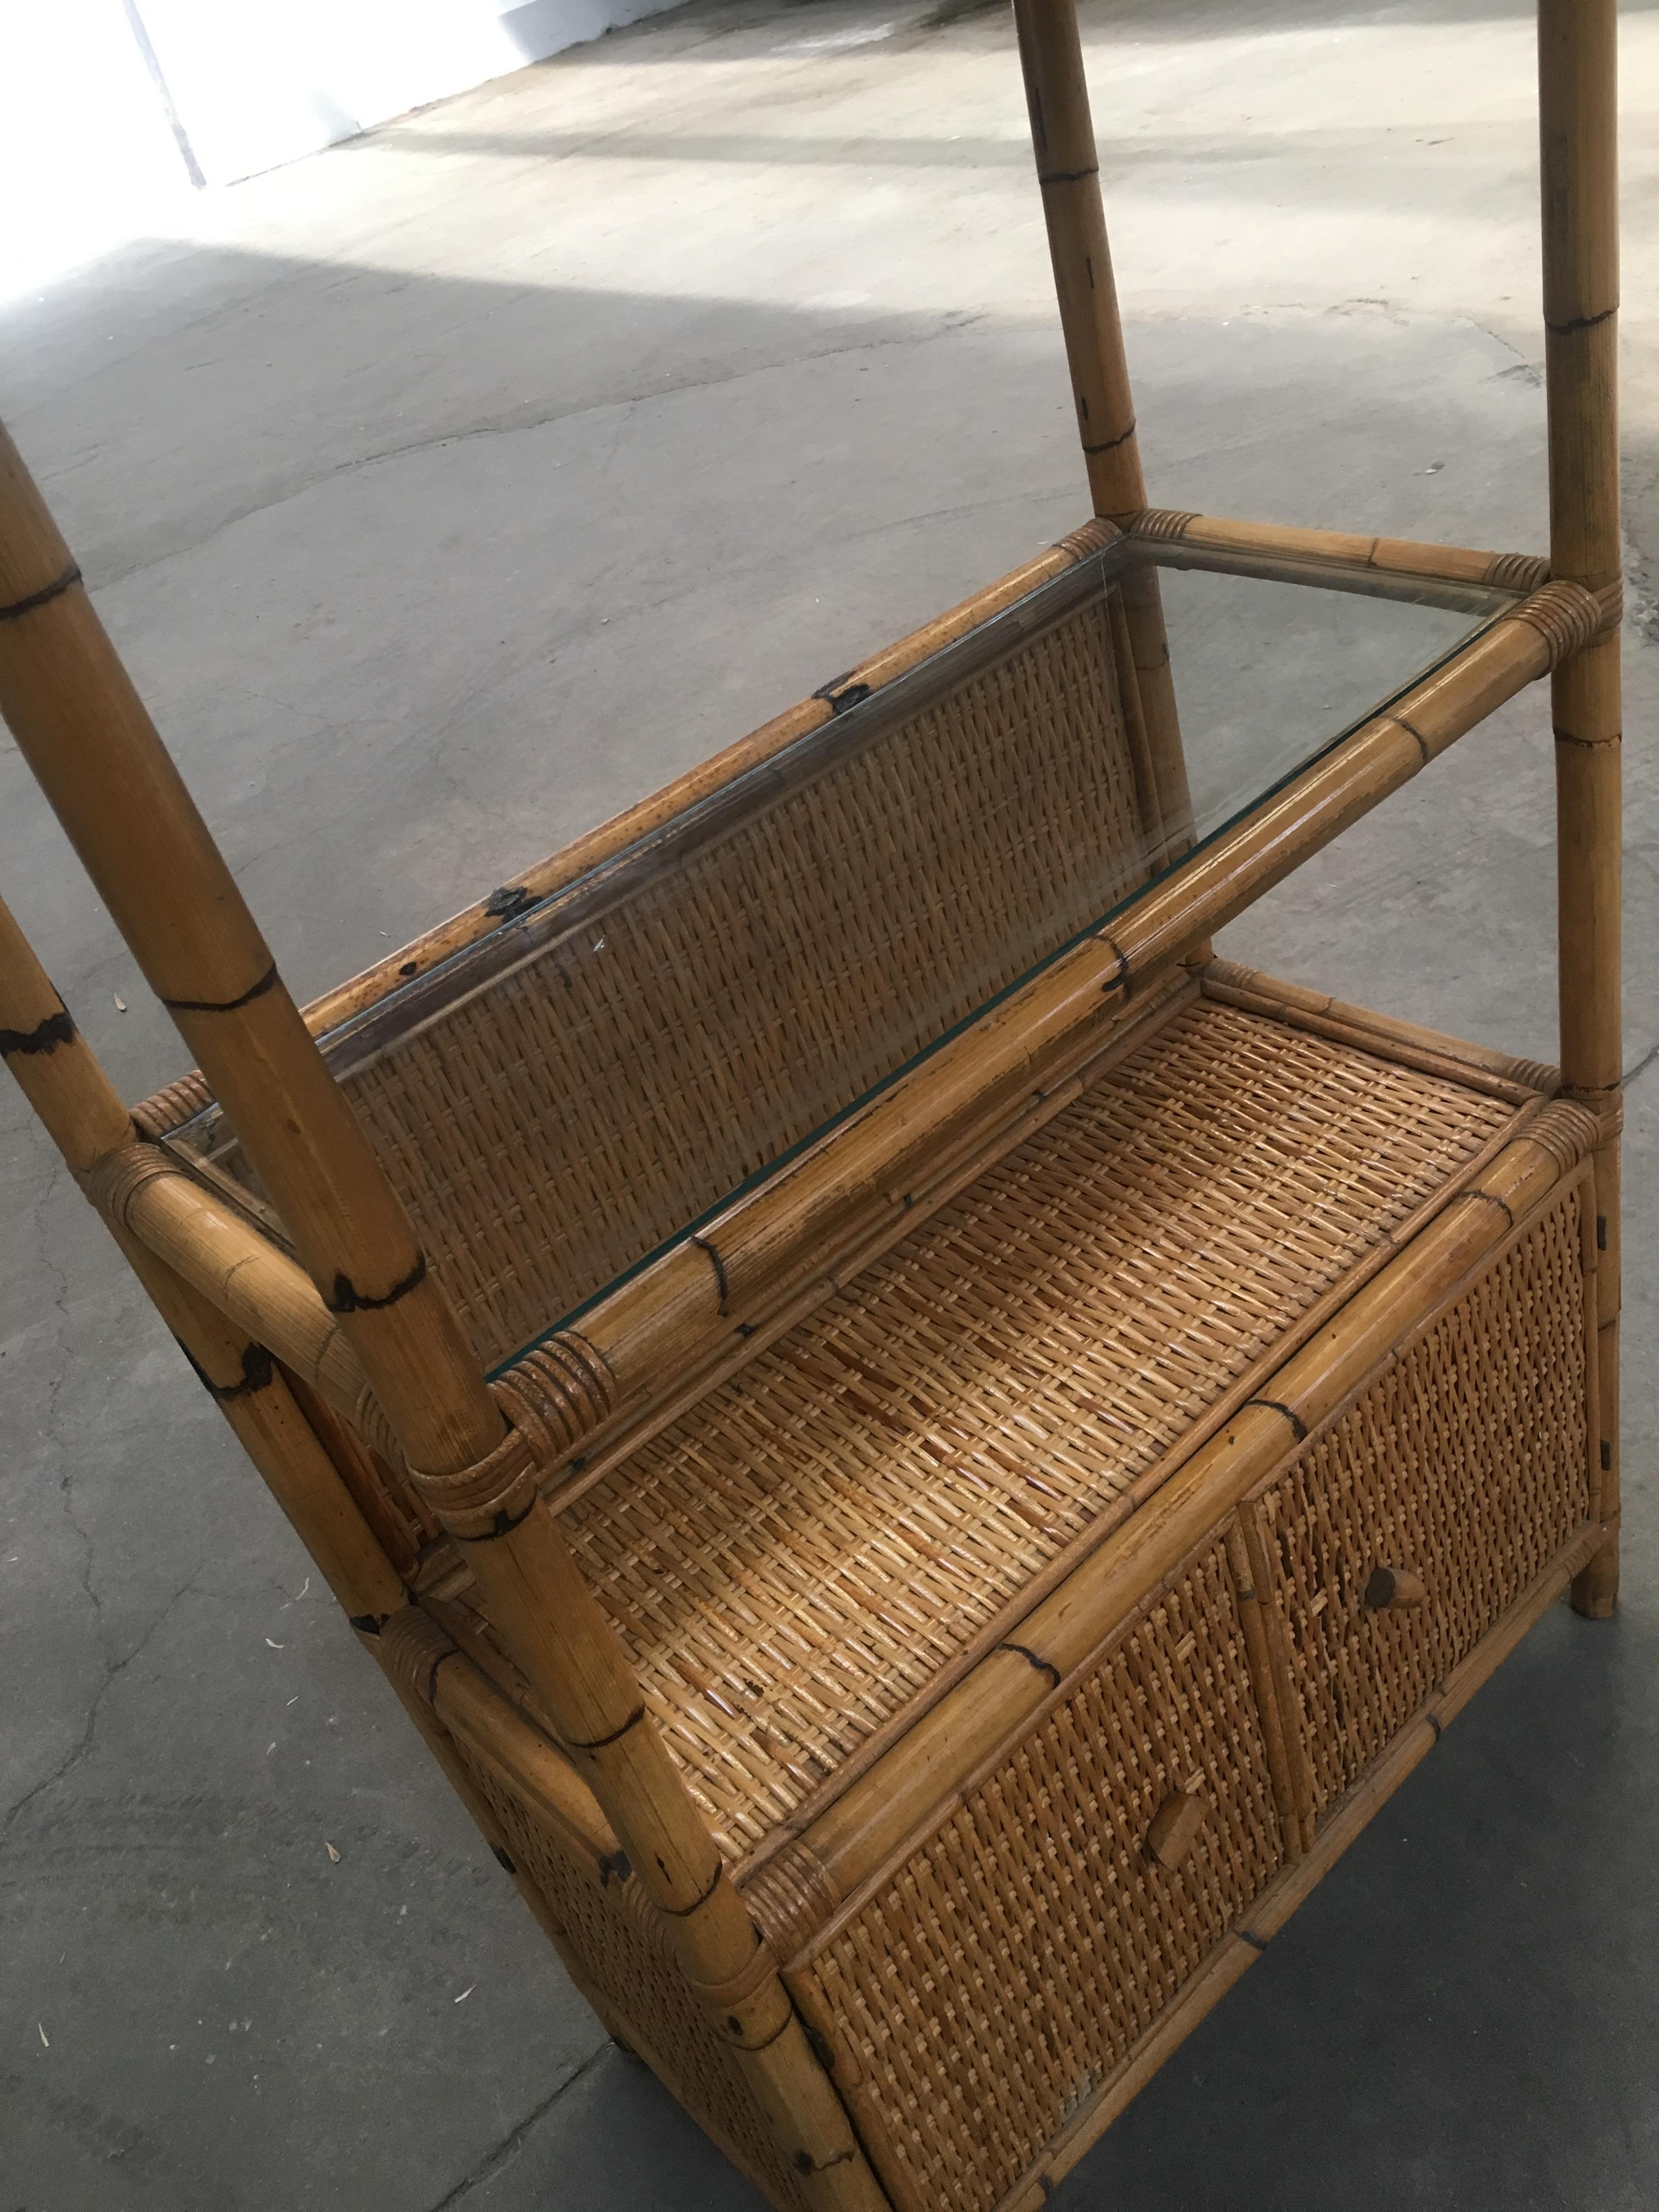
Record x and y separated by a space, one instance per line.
1176 1825
1393 1586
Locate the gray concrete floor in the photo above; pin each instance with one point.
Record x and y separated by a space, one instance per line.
454 487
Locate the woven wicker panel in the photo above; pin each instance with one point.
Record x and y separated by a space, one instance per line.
565 1121
1465 1464
993 1985
797 1558
618 1950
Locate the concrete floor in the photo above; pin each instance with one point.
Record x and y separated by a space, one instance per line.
453 488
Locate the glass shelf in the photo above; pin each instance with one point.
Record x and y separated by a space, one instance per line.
602 1074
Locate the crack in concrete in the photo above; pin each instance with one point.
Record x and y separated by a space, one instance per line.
947 325
112 1671
507 2149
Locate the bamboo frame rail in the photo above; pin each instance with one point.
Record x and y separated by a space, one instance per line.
1578 101
1387 561
95 753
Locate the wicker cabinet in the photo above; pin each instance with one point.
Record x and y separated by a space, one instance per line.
922 1450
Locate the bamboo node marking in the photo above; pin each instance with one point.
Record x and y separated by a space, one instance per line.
259 1368
1411 730
44 596
45 1036
1111 445
257 989
346 1298
604 1743
705 1244
1031 1658
1564 615
1571 328
1298 1427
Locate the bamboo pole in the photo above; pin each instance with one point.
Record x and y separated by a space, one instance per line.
82 727
1577 65
1068 171
1388 561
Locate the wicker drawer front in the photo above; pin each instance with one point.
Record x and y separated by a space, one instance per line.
1461 1472
990 1985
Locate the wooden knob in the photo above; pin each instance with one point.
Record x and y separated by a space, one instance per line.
1174 1826
1393 1586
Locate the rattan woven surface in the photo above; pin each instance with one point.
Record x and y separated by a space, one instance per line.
991 1986
1465 1464
797 1558
619 1947
552 1129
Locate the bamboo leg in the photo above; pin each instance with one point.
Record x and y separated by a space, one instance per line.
60 1075
94 749
1063 140
1578 57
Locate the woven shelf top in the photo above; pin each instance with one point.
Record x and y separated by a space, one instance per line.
808 1551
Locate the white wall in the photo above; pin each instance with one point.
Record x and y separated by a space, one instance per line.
88 152
85 149
259 82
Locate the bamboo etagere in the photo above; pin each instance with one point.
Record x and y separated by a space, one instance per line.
922 1451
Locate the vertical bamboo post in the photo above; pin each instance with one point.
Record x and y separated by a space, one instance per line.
1068 171
94 749
1577 64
